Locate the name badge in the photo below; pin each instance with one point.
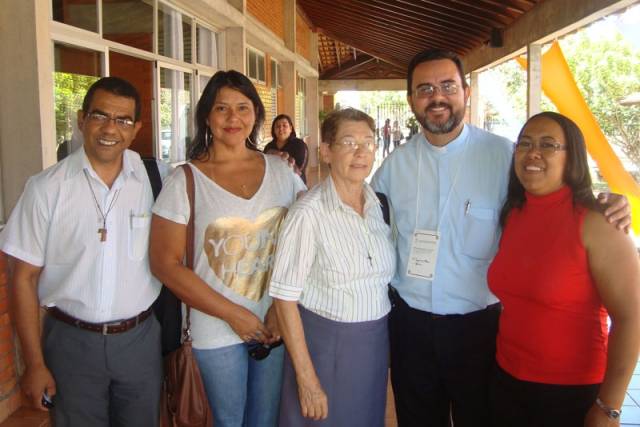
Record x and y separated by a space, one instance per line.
423 254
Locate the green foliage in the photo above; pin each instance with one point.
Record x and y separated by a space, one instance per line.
69 93
607 69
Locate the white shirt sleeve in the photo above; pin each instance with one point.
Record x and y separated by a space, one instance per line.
25 235
294 256
172 202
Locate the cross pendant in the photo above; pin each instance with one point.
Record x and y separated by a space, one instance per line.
103 234
370 259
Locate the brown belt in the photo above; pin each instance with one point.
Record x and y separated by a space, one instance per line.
103 328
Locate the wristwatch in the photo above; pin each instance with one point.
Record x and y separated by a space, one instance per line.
612 413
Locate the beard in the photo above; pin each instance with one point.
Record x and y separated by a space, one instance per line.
455 118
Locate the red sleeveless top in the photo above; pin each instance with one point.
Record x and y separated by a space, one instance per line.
553 328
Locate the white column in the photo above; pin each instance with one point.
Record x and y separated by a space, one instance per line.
235 49
288 71
534 78
313 119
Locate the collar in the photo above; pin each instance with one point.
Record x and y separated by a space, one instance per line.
131 165
456 144
332 200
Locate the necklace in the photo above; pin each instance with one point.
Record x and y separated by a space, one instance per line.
102 231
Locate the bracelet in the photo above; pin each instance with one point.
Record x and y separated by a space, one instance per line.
613 414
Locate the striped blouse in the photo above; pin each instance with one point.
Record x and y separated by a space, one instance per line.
336 263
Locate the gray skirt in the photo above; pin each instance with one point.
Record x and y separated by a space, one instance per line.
351 361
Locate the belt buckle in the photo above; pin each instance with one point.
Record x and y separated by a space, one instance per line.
105 327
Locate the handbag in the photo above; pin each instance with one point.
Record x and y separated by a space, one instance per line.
184 400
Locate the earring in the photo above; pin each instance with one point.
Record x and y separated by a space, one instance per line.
251 141
208 136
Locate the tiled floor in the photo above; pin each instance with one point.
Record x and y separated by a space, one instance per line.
630 408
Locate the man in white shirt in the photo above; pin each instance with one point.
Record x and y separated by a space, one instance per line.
79 236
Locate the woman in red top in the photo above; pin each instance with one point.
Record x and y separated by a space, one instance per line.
561 268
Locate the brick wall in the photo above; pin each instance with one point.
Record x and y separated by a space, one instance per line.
303 36
270 13
10 397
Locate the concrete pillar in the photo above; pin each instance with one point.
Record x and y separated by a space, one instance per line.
290 24
475 112
240 5
313 119
27 123
288 71
235 49
534 78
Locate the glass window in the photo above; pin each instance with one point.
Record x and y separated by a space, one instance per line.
175 114
74 71
279 76
256 68
274 74
203 83
174 34
79 14
128 22
261 69
206 47
253 65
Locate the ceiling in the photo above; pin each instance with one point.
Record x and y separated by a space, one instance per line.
367 39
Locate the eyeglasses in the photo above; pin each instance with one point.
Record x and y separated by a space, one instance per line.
352 145
102 119
259 351
428 90
547 148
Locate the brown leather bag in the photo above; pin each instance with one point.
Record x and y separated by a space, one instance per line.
184 400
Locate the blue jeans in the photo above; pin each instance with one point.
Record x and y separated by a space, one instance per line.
242 392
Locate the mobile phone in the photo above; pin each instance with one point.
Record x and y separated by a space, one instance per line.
47 401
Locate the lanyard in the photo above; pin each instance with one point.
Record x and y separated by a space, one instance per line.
453 184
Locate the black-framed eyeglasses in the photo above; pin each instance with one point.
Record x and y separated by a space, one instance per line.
259 351
102 119
547 148
428 90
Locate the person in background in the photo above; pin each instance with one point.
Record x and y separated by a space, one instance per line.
560 269
241 197
386 137
80 236
334 260
285 140
396 132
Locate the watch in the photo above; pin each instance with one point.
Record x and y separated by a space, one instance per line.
612 413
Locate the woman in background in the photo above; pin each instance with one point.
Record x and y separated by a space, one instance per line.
561 268
285 140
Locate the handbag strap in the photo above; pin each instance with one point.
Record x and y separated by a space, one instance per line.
188 174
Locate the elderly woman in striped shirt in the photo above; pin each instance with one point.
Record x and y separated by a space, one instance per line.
334 259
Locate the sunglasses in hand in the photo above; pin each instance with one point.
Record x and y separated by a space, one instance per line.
259 351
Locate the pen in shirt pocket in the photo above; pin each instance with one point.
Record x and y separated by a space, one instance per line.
467 207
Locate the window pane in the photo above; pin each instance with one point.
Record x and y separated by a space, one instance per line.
261 69
206 47
74 71
83 15
174 34
128 22
279 76
253 71
274 74
203 83
175 114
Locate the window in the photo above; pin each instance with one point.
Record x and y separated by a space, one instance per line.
129 22
175 114
74 71
256 65
174 34
274 74
206 47
301 113
83 15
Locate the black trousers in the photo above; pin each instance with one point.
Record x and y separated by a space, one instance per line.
441 365
528 404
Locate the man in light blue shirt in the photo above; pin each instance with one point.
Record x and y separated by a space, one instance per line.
447 182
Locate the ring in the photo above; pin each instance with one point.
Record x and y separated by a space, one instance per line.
258 333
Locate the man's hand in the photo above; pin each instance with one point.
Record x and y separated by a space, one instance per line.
248 326
618 210
35 381
287 158
271 322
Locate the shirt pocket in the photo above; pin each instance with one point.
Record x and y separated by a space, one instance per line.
480 233
139 227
